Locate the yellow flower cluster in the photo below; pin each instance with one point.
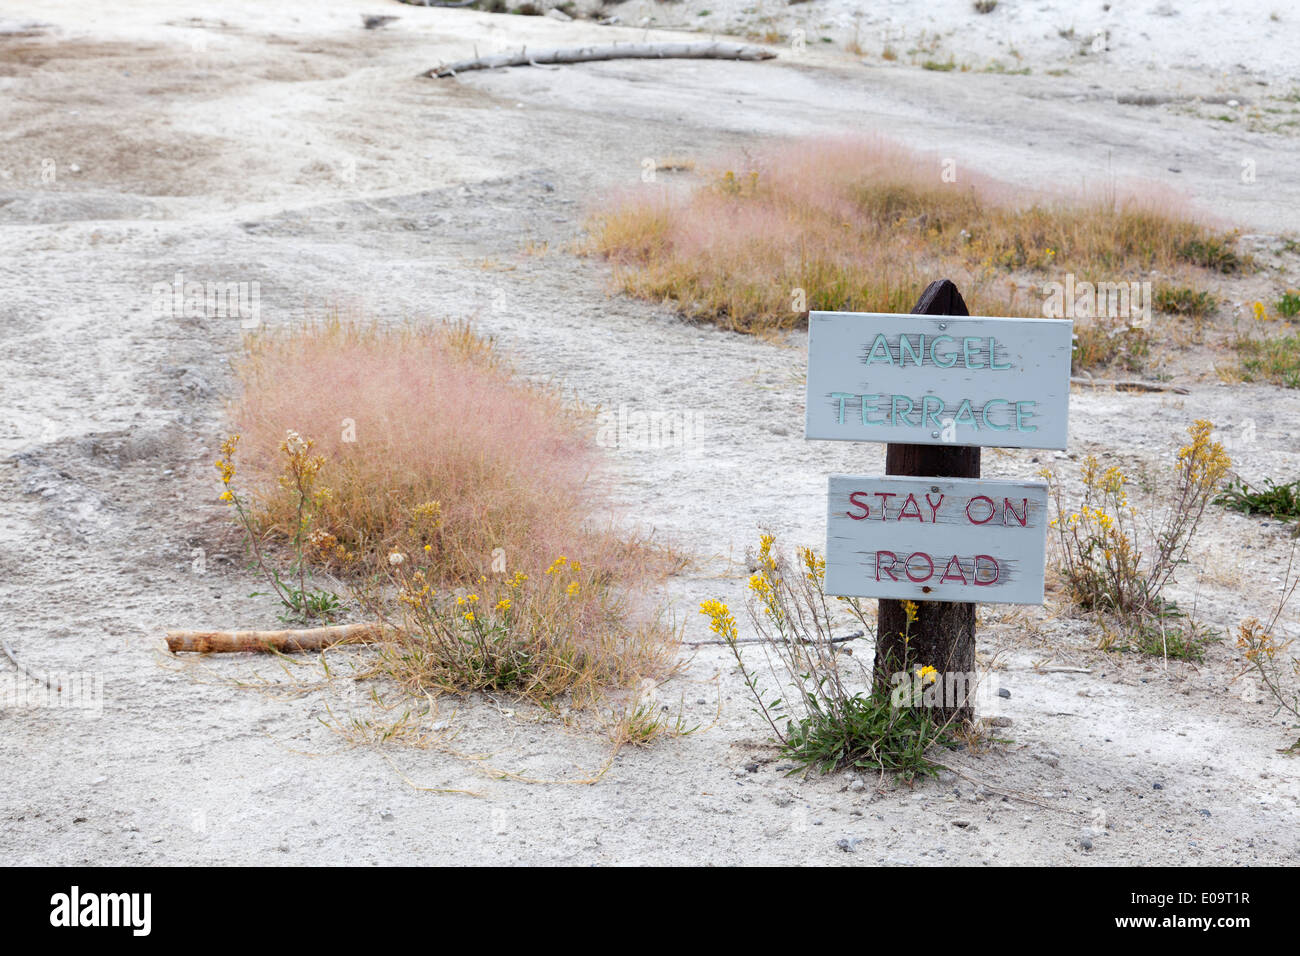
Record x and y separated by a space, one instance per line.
302 466
226 466
927 673
720 620
1256 642
430 511
763 589
416 591
1204 461
814 566
910 609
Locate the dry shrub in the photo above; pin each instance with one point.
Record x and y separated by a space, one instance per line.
427 439
863 225
434 469
1119 559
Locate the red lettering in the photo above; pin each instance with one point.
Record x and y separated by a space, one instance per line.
949 576
908 567
993 509
866 509
934 507
893 560
916 508
884 497
1009 509
997 571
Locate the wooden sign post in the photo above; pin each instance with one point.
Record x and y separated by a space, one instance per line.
935 390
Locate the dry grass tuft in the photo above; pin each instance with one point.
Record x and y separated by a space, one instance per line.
458 500
863 225
427 439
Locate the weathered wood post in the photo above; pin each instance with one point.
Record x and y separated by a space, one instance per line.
932 530
943 635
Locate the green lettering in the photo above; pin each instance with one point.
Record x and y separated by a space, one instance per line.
965 407
841 396
905 349
988 422
931 417
1021 415
934 354
866 404
893 410
993 357
880 343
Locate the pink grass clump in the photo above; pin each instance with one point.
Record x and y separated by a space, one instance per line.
427 440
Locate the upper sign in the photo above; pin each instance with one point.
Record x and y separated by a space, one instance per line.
938 379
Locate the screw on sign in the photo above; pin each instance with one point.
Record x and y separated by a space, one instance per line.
936 385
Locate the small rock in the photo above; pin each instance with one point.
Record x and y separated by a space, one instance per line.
1157 786
751 768
1085 842
557 14
1003 692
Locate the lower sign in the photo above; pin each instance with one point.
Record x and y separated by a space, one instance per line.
936 539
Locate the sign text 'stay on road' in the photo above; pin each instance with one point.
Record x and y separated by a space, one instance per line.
935 379
936 539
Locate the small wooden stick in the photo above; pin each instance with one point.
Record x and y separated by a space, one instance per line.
762 640
1128 386
311 639
588 54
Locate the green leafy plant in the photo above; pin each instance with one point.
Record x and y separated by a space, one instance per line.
1288 306
1214 252
1274 360
1184 300
1280 501
822 717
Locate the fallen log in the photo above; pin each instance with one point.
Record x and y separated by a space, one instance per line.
1129 386
586 54
311 639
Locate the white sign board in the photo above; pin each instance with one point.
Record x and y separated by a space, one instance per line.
936 539
937 379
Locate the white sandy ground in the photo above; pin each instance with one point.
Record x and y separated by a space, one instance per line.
283 144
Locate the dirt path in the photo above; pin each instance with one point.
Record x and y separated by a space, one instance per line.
301 153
